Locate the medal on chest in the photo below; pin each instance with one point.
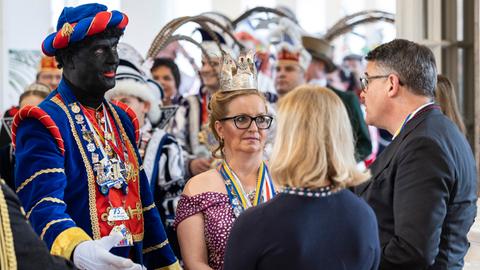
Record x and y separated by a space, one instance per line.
110 161
113 169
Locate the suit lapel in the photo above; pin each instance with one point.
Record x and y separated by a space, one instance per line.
384 159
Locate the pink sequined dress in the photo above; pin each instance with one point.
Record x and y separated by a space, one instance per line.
218 217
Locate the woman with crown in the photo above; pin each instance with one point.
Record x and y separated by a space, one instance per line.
212 200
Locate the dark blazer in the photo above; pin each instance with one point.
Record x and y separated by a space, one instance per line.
30 252
423 191
336 232
363 144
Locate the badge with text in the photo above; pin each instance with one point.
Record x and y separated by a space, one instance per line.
117 213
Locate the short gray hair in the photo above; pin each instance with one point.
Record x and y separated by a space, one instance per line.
413 63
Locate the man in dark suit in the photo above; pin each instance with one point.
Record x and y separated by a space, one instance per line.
423 186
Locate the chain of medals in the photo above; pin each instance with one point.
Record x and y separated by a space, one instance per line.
241 200
110 162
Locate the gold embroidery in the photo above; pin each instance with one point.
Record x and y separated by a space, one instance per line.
8 260
104 217
45 229
138 237
49 199
137 211
91 178
44 171
148 208
159 246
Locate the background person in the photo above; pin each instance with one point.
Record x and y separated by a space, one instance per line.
447 99
33 95
49 73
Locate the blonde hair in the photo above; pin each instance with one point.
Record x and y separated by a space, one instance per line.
314 142
447 99
218 108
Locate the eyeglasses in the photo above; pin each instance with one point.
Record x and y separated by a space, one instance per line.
245 121
364 80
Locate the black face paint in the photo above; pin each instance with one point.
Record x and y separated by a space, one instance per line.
92 69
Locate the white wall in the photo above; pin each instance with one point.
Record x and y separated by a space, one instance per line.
24 25
144 23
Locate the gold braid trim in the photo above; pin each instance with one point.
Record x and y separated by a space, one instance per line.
44 171
138 237
159 246
8 260
128 145
45 229
88 168
148 208
174 266
67 240
46 199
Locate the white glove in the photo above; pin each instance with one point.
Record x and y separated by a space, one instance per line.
94 254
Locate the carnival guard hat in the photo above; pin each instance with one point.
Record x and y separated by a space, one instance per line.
288 40
77 23
47 63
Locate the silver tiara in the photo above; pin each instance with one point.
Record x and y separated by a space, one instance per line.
240 74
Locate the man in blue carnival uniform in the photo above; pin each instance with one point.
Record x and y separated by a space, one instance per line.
78 170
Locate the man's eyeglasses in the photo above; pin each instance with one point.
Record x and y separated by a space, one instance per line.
365 79
245 121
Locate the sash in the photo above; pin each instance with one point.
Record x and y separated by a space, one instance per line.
264 191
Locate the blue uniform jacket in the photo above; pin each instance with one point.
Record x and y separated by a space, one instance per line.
58 191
